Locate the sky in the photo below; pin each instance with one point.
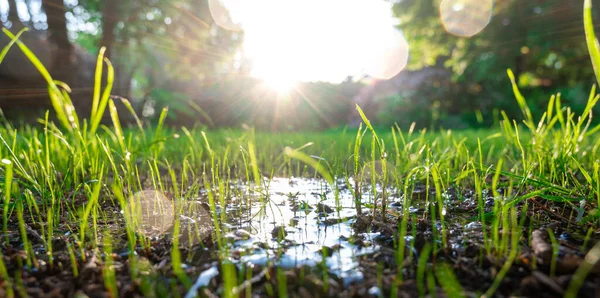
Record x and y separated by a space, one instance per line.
315 40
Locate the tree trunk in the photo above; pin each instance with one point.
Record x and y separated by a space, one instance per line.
61 64
13 13
110 18
57 23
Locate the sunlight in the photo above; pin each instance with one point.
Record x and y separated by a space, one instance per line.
281 84
311 40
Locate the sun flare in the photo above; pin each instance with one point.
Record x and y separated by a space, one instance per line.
281 85
313 40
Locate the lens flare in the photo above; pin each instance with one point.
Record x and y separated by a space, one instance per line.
388 60
313 40
195 223
280 85
466 17
222 16
150 213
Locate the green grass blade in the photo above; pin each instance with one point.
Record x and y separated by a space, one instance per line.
364 118
421 268
5 277
97 82
69 108
161 122
131 110
591 259
590 37
60 106
11 43
8 176
203 113
176 259
521 100
311 162
368 124
97 116
114 115
448 280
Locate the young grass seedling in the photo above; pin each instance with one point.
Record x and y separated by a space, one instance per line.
8 167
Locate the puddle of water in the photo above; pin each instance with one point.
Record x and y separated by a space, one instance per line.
311 218
202 281
296 222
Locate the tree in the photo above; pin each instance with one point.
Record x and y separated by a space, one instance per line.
175 42
542 41
13 14
57 33
110 18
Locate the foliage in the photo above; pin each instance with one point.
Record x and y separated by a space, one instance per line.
543 42
156 48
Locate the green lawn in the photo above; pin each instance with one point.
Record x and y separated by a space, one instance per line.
101 210
75 192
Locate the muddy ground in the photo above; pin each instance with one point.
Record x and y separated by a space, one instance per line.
300 234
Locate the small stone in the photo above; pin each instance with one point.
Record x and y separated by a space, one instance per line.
230 237
542 249
322 208
242 234
331 221
326 251
59 243
301 206
294 222
361 224
279 232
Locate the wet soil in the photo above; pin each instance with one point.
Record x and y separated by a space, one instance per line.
303 238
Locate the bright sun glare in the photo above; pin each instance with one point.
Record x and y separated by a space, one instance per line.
281 85
288 41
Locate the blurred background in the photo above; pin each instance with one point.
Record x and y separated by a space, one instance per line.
302 64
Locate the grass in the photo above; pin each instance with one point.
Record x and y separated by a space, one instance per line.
75 177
